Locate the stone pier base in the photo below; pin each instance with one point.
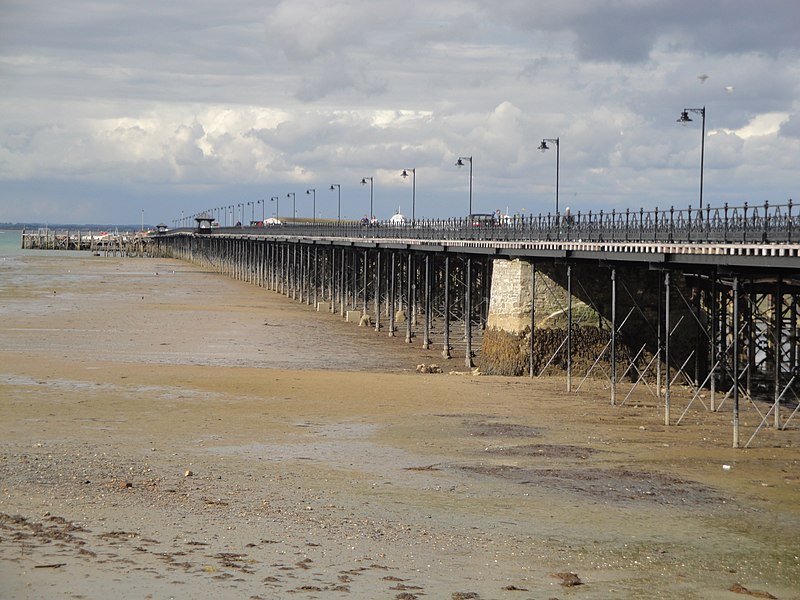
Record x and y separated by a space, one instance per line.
506 345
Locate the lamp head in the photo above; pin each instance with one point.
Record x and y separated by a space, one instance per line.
543 146
459 163
332 187
363 181
684 118
404 173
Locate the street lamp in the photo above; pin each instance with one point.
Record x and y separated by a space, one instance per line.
339 209
404 174
683 120
313 193
277 202
364 182
252 206
460 163
261 202
544 148
294 205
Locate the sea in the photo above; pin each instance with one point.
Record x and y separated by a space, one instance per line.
10 242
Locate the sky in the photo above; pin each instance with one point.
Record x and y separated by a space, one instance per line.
124 112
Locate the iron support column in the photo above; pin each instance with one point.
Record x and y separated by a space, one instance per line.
468 313
533 321
364 282
342 283
666 349
426 336
777 315
713 343
391 290
613 337
735 332
409 299
446 342
569 328
377 290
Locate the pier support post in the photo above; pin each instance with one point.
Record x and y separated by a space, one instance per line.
378 290
391 291
426 336
446 340
342 283
532 341
364 280
735 358
713 345
468 312
613 336
569 328
666 349
409 297
777 315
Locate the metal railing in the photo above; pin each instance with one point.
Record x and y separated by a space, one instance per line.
748 224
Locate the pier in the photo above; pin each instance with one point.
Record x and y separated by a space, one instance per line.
705 301
108 244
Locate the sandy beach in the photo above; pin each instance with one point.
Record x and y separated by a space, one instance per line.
166 432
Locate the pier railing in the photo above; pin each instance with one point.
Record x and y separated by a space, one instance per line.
748 224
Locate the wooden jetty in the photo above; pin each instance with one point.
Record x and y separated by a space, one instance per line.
127 243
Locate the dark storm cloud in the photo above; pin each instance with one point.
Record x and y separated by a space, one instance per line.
628 30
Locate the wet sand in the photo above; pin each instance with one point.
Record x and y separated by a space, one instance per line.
169 433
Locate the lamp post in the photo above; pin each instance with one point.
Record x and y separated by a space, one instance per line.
460 163
404 174
261 202
313 193
294 205
277 201
683 120
339 206
364 182
544 148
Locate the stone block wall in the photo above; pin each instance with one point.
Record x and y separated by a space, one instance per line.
506 341
510 298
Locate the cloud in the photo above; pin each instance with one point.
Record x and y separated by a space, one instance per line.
790 128
628 30
176 105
